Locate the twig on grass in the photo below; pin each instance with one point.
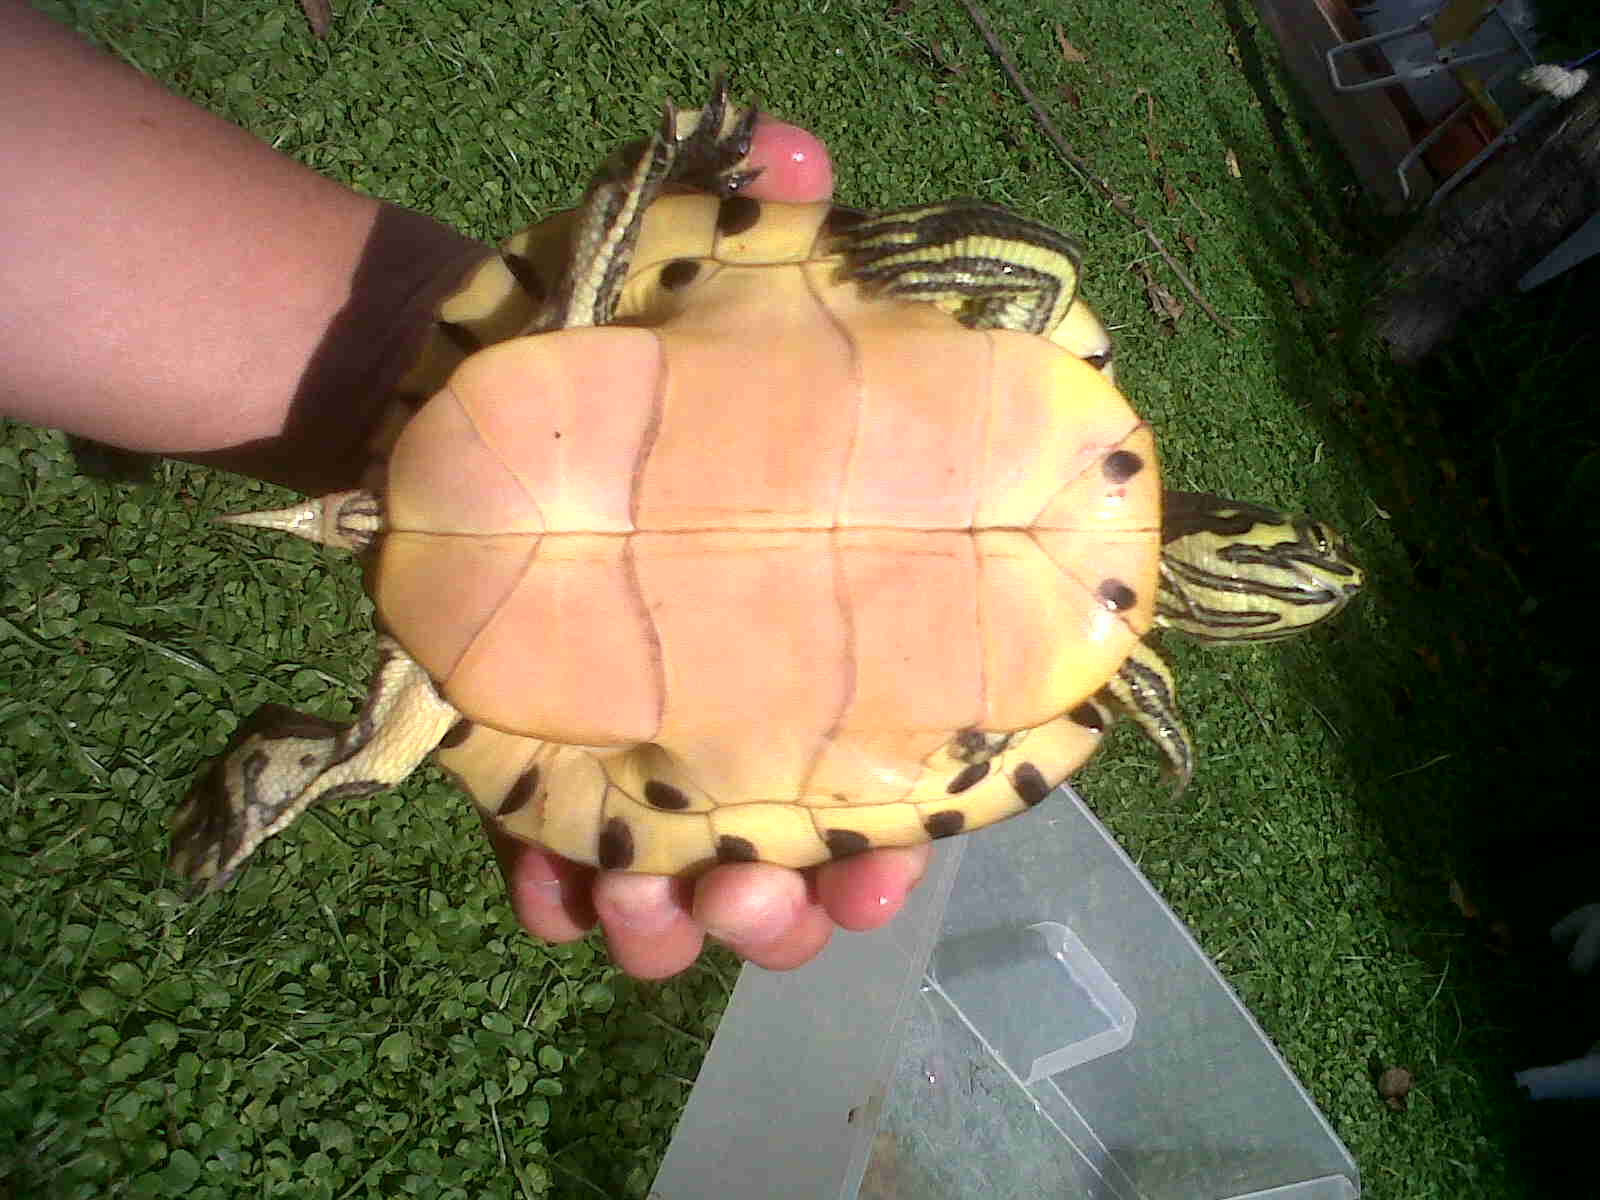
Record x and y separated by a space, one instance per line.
1081 166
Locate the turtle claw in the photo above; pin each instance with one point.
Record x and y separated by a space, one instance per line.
718 101
711 150
200 836
1143 690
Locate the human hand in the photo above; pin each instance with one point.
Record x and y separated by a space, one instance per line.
772 916
655 925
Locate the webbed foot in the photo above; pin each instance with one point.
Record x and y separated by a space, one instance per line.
281 762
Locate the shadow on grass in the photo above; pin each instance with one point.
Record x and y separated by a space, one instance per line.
1463 704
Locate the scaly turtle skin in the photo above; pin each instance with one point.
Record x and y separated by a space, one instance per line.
755 532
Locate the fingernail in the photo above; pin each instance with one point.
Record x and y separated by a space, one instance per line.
753 925
538 874
642 903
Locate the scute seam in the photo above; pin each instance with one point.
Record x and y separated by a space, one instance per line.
841 588
841 595
652 431
658 663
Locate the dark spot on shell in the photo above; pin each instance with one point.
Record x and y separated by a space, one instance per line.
945 824
736 849
844 842
840 219
1099 361
616 845
1116 595
520 793
1089 716
526 275
967 776
665 796
308 760
412 400
459 336
458 733
972 741
1030 784
737 214
1122 465
679 273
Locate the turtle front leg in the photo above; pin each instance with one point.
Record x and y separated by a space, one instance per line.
988 267
1143 690
282 762
702 148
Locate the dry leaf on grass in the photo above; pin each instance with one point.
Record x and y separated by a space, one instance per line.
1302 292
1169 193
1233 164
1189 242
1393 1086
1069 52
319 14
1167 307
945 59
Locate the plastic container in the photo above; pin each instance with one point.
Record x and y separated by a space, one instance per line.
975 974
1053 1030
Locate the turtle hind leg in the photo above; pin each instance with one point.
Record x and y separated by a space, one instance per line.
1143 690
988 267
282 762
249 793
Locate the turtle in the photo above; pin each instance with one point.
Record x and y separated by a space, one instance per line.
709 530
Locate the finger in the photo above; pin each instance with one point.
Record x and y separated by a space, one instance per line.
795 167
763 913
866 891
550 895
648 927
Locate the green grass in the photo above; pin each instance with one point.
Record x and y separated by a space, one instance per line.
360 1017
